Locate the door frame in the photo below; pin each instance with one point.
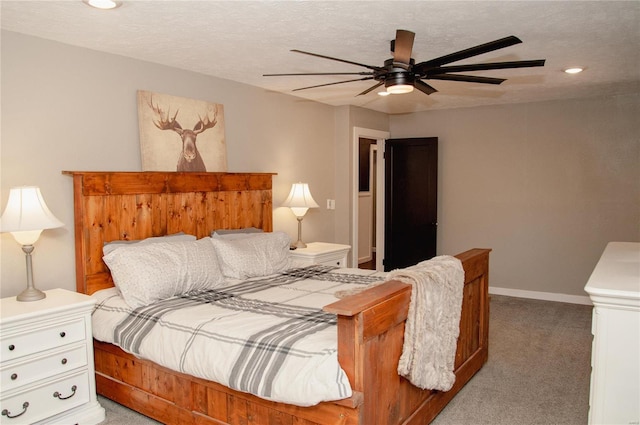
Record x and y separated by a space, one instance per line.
380 137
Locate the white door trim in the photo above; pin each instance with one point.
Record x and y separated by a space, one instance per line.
380 137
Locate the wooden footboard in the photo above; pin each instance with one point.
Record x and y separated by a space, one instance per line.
370 335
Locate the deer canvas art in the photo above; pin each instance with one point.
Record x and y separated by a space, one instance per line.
180 134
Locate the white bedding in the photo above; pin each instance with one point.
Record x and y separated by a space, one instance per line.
267 336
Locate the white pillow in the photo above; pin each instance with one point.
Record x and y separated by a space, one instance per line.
260 255
145 273
235 233
110 246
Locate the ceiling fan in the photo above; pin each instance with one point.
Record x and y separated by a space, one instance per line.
401 74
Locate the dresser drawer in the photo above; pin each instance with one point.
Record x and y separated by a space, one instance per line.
41 339
41 367
40 402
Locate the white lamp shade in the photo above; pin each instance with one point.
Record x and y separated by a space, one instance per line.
25 212
300 199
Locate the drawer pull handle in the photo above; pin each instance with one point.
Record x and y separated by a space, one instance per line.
6 413
63 334
59 396
12 347
64 361
14 376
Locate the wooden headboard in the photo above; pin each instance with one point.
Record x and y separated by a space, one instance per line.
112 206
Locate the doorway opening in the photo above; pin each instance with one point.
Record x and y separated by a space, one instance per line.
367 193
375 202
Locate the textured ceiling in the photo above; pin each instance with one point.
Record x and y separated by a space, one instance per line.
241 40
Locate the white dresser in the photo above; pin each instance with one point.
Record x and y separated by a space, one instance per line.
46 361
323 253
614 289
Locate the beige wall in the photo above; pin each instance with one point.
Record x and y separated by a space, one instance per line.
546 185
67 108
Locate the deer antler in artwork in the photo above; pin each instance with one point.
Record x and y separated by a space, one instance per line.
202 125
164 122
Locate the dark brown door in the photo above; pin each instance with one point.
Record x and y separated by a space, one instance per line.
411 219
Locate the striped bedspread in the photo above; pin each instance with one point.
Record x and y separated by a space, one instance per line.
266 336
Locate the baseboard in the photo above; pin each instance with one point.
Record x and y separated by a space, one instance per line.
545 296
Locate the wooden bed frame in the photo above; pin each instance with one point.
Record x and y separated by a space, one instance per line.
135 205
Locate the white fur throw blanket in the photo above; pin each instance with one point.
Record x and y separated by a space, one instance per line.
433 322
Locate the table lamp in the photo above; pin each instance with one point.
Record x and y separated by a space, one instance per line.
25 217
300 200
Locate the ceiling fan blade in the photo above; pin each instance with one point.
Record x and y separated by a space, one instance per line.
467 78
318 73
331 84
487 66
467 53
375 68
370 89
403 46
424 87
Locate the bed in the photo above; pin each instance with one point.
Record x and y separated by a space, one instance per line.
112 206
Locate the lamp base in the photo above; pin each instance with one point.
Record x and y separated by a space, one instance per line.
31 294
299 244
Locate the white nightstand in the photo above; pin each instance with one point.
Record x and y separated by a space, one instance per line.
328 254
46 361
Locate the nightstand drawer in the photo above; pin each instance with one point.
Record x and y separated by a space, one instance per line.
337 262
43 366
45 401
42 339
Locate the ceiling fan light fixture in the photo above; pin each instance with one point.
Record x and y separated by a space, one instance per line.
383 93
399 83
400 89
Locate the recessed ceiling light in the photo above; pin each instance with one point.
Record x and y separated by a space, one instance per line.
573 70
103 4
